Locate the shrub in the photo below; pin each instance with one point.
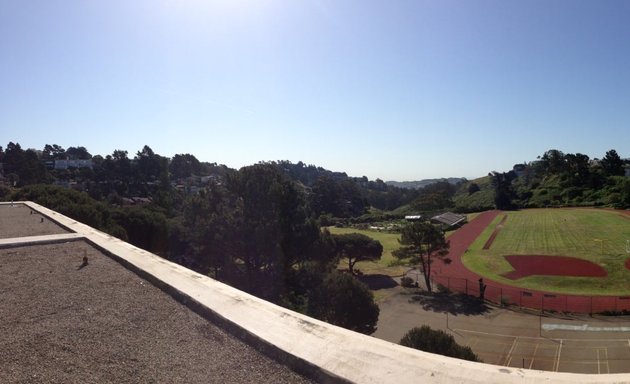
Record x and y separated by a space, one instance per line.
344 301
4 192
436 341
406 282
327 220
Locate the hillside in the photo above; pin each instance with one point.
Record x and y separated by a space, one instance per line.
474 195
425 182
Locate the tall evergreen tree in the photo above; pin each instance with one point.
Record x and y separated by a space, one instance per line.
612 164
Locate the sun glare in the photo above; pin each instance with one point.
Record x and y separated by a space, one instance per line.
224 8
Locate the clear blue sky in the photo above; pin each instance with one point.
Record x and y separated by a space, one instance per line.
397 90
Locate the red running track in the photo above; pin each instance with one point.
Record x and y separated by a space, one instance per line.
457 278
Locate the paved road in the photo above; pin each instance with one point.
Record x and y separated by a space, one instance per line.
511 338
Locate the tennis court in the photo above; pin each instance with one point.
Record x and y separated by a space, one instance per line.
550 354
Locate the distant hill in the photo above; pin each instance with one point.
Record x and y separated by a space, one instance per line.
423 183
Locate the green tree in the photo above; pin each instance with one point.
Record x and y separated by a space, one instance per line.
210 222
78 153
274 230
503 191
145 228
115 170
53 152
436 341
578 169
357 247
553 162
344 301
150 165
13 157
434 197
339 197
25 165
184 165
422 242
473 187
612 164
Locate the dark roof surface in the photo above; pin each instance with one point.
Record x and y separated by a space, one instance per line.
101 323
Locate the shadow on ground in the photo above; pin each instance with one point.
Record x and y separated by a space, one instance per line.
376 282
458 304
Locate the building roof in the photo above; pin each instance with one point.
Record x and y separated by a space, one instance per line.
449 218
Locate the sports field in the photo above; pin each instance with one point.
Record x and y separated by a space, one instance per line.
563 242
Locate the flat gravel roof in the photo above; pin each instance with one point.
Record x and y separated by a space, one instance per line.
18 220
65 322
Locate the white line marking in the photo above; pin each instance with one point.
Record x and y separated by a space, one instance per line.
509 355
498 334
599 367
531 363
558 359
536 337
583 327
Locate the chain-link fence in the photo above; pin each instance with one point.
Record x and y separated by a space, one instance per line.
533 299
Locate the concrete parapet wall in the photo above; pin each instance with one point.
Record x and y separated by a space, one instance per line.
322 351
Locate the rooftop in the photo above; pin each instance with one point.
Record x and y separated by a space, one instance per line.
449 218
64 321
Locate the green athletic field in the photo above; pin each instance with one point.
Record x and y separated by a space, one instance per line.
595 235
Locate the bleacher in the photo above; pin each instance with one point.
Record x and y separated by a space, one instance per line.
449 219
